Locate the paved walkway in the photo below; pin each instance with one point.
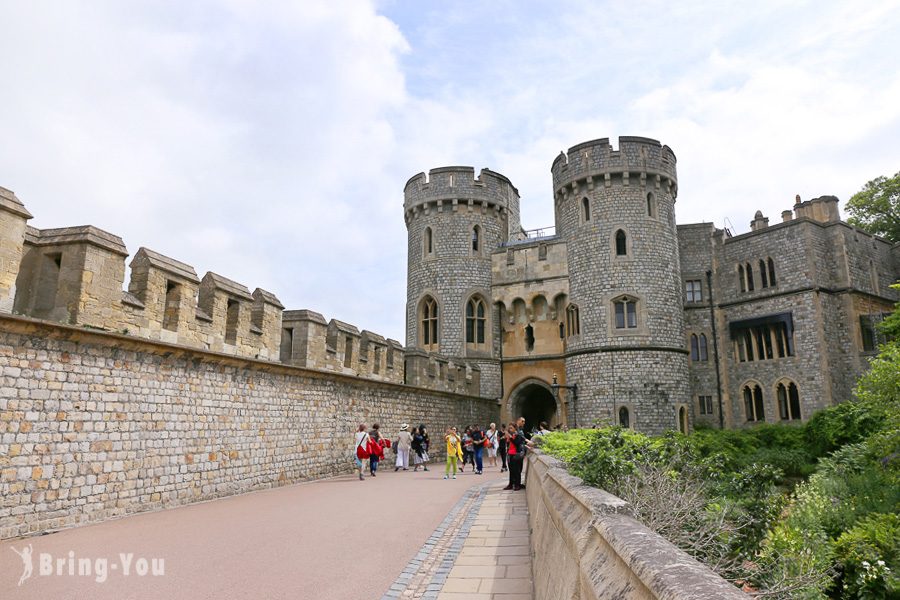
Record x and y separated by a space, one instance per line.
336 539
480 551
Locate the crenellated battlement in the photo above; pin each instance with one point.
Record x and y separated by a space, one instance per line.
309 341
450 188
75 275
433 371
638 161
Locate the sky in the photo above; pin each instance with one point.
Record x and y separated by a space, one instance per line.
270 142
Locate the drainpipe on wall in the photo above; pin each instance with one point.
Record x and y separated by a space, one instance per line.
715 337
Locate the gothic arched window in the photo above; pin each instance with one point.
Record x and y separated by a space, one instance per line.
428 318
753 403
621 243
475 320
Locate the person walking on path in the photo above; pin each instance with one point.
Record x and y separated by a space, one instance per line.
362 448
404 443
502 447
420 456
467 453
478 447
492 436
376 448
454 451
426 443
516 444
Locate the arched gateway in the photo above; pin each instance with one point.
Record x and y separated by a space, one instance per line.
534 400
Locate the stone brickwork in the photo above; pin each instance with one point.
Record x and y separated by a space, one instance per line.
602 193
826 275
75 275
812 273
96 425
591 547
13 220
454 223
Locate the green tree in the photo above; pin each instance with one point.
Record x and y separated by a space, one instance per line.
876 208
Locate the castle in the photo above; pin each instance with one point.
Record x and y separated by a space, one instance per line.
618 315
622 316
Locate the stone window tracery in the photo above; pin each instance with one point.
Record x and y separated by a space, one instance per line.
429 324
754 408
476 239
788 401
626 312
475 321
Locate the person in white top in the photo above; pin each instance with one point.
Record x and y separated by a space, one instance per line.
404 443
362 443
493 438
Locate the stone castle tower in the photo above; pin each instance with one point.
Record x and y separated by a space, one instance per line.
615 209
454 223
618 316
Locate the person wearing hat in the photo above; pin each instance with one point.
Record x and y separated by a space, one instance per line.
403 443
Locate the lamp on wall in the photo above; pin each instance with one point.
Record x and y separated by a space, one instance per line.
555 386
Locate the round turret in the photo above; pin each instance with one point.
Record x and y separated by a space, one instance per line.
616 211
454 222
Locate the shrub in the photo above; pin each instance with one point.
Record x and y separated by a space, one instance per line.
868 556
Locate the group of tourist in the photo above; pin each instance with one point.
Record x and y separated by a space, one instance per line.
509 443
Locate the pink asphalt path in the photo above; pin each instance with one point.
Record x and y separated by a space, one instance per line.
336 538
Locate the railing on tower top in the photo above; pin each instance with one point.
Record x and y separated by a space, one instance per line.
530 235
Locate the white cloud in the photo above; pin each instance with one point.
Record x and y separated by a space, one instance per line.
270 142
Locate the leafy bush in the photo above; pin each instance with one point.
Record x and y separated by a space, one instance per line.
868 557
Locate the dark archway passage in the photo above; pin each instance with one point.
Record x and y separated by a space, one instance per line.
536 403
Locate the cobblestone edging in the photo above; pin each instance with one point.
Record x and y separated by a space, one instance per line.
427 572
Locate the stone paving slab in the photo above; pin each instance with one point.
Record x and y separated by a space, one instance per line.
480 551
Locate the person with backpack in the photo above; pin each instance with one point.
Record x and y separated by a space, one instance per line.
362 448
478 440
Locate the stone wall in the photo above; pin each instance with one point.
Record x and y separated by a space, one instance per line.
95 425
442 211
590 547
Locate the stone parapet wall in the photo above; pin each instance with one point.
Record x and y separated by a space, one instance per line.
587 545
95 425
